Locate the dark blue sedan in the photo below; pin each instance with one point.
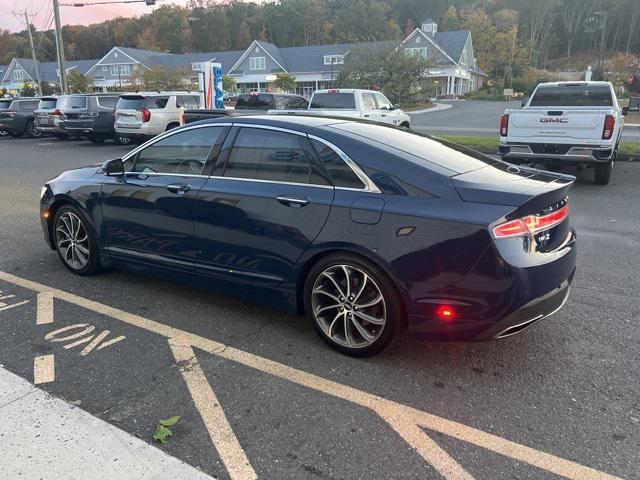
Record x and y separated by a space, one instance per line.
363 227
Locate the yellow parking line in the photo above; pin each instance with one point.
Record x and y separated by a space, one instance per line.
44 369
400 415
220 431
45 308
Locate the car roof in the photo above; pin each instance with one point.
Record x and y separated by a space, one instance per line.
292 121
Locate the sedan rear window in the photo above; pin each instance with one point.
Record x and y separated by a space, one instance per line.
333 100
255 102
424 149
76 102
130 102
578 95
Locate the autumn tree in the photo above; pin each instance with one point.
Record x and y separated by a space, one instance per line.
573 14
160 77
79 83
451 20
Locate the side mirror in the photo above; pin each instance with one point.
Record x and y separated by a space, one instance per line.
396 106
113 168
625 110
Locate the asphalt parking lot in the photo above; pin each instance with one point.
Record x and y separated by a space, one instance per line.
260 394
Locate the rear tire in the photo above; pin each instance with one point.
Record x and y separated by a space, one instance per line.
31 130
603 173
353 304
75 242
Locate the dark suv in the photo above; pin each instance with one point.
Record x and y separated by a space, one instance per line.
18 118
48 116
5 103
91 116
270 101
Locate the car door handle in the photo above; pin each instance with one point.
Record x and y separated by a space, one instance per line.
384 114
179 188
294 202
366 115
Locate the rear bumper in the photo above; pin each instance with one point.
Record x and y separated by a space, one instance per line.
514 152
497 299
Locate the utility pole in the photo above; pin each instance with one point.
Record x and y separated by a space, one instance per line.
33 53
60 49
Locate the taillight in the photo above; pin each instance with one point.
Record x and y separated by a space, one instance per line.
56 112
146 114
530 224
504 125
609 125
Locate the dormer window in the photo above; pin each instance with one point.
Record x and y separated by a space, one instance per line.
333 59
429 26
18 75
418 38
257 63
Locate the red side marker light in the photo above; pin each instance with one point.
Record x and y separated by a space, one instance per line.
446 313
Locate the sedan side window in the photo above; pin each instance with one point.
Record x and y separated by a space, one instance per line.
339 171
185 152
263 154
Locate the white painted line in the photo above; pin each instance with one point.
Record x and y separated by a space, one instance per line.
220 431
7 307
44 369
45 308
6 297
55 335
383 407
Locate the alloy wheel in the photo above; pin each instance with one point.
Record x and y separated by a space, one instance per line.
349 306
34 132
72 240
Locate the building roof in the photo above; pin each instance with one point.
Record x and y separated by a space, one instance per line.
453 42
143 56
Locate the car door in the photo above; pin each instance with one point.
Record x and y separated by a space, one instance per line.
386 112
264 206
148 213
369 107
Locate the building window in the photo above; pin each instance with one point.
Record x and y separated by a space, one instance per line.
18 75
417 51
335 59
120 70
418 38
104 68
247 87
195 67
257 63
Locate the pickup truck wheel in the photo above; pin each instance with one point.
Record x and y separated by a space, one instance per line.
171 126
405 125
603 173
123 140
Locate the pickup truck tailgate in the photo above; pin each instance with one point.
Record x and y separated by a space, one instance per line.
574 126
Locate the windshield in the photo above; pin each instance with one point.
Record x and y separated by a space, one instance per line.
436 151
333 100
581 95
4 104
47 104
130 103
255 102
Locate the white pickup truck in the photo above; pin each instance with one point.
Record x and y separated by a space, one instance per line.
355 103
565 122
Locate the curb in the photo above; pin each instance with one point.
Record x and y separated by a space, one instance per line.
437 108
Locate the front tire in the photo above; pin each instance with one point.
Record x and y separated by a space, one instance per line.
353 304
31 130
75 242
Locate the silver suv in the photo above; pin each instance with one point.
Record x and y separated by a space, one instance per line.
140 116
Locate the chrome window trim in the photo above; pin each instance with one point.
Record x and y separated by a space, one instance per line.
160 174
164 135
279 182
364 178
269 127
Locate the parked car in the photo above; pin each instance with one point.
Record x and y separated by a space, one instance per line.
91 116
354 103
270 101
143 116
565 122
365 227
5 103
18 119
48 116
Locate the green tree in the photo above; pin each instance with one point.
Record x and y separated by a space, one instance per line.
79 83
451 20
229 83
27 90
402 77
162 78
285 82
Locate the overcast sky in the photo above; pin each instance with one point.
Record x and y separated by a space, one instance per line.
43 18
